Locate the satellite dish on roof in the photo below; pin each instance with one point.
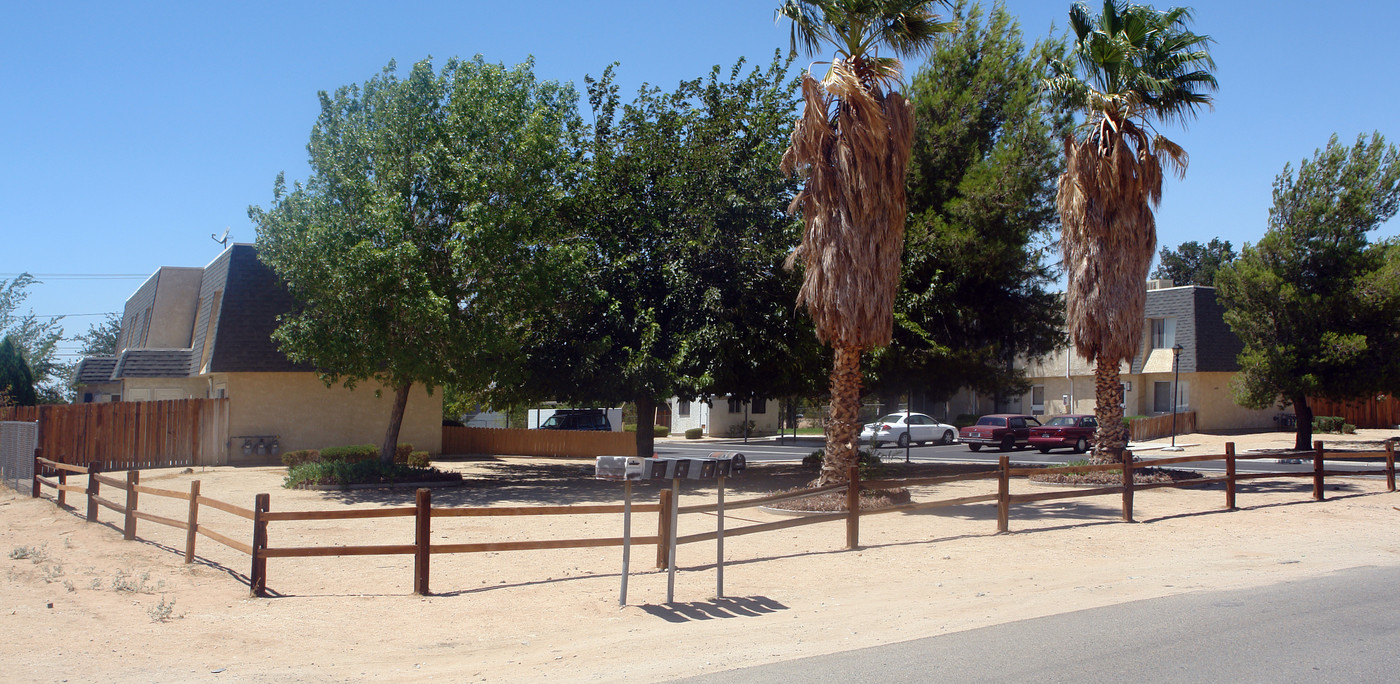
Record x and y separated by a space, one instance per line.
223 240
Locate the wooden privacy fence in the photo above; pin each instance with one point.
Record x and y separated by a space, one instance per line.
1156 427
1381 411
579 443
131 434
54 475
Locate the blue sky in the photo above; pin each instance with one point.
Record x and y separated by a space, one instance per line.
135 130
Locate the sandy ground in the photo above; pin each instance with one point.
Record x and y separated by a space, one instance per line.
86 606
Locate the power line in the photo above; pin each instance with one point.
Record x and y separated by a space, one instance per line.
103 313
79 276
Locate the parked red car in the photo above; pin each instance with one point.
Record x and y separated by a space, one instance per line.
1073 431
1004 430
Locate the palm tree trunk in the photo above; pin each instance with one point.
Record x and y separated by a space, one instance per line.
1111 437
391 436
843 428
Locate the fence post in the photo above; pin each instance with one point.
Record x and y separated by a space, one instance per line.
1229 476
38 470
1390 466
422 534
133 477
93 489
1127 486
62 482
257 579
193 529
1004 494
663 529
1317 471
853 507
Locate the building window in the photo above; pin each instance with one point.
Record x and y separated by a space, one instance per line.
87 397
682 408
1163 333
759 406
1162 397
736 405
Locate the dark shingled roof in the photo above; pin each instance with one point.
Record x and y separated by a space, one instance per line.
153 363
253 299
95 369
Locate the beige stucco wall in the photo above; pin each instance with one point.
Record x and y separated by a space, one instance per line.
172 320
1216 409
159 389
303 413
1208 394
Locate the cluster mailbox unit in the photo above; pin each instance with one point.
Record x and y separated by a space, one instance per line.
628 469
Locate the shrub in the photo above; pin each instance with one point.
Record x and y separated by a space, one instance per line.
350 454
1348 428
737 429
868 461
292 459
629 427
419 459
362 472
694 433
964 420
1328 423
401 453
660 431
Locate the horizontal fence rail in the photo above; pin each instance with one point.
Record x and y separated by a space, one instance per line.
127 490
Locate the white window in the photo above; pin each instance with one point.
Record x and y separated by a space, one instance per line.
1038 400
1163 333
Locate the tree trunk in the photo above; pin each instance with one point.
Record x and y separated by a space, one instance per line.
646 422
843 428
391 436
1111 437
1304 413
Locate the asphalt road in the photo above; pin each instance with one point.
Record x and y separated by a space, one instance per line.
1343 627
768 449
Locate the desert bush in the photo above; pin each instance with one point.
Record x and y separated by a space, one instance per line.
401 453
737 429
419 459
660 431
292 459
694 433
350 454
369 471
1328 423
1348 429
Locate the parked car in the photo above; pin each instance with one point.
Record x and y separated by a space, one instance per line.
1073 431
919 428
577 419
1003 430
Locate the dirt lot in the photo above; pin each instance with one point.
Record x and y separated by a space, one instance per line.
87 606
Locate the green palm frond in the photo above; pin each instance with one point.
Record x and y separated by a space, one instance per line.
858 28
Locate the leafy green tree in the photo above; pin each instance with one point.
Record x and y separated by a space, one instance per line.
1317 305
415 233
677 238
1192 263
1132 66
973 293
36 339
852 148
16 381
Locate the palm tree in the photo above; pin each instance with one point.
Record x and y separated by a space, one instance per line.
852 143
1137 65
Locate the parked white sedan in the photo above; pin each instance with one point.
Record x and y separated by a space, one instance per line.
904 428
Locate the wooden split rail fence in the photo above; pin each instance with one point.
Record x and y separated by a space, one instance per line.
54 475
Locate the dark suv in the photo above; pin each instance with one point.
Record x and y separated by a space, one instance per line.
577 419
1004 431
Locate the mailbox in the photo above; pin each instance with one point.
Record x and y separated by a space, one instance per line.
734 463
665 468
701 468
618 468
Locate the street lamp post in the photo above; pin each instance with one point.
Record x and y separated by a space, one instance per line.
1176 379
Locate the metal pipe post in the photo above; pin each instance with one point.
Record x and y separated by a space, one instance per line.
626 538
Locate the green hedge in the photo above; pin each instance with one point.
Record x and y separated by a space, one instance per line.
694 433
660 431
362 472
1329 424
292 459
419 459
